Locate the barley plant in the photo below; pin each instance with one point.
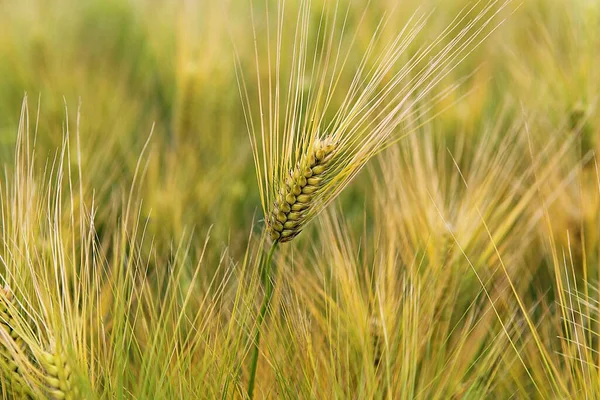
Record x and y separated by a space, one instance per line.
299 199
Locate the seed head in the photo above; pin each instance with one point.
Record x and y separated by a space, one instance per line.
297 193
57 374
9 366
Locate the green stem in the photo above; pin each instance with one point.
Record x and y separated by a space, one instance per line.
266 272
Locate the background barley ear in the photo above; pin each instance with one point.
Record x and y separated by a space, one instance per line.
377 339
13 381
298 189
58 374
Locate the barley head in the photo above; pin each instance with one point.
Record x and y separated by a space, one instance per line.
10 339
298 191
58 374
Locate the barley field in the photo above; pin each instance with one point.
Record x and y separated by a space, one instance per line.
299 199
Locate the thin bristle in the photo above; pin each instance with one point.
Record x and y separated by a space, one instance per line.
297 193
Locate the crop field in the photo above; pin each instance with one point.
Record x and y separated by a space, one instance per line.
299 199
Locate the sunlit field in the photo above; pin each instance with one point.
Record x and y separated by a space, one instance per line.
299 199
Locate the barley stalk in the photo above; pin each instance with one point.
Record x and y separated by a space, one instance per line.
297 193
261 317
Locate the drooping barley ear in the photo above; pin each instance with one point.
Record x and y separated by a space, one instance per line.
10 339
298 189
58 374
446 250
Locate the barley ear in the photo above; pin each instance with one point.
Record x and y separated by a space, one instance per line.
58 374
298 190
13 377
